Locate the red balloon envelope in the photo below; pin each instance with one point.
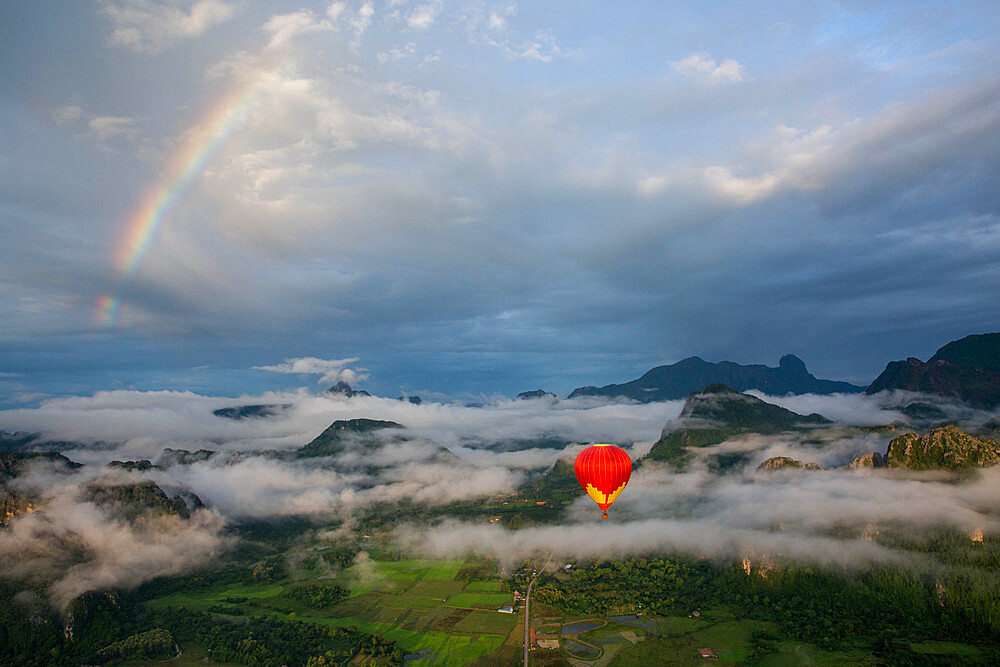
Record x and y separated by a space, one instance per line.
603 472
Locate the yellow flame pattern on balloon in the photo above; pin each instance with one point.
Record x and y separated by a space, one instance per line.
601 498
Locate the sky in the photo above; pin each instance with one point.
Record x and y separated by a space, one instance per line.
460 199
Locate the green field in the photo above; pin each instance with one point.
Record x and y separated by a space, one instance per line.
451 649
204 598
730 640
192 655
487 622
947 648
436 589
792 653
403 601
679 625
479 600
483 586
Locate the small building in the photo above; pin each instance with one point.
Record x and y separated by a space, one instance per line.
506 609
708 654
548 643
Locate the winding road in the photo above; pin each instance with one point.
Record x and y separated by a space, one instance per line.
527 602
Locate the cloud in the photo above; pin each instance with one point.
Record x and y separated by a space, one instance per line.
457 228
285 27
827 517
332 370
105 127
150 26
79 547
134 425
357 20
67 115
702 67
494 28
398 52
892 142
423 16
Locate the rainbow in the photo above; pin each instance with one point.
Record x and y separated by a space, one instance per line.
203 141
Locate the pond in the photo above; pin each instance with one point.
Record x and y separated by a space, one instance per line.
580 650
634 621
579 626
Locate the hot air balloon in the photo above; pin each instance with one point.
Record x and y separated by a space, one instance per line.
603 472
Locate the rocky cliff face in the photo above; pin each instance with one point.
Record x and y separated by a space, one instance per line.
945 447
133 500
783 462
869 460
171 457
12 504
13 464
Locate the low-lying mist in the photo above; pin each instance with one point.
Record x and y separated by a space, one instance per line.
829 516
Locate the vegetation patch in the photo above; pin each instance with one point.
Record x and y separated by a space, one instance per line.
478 600
483 586
487 622
437 589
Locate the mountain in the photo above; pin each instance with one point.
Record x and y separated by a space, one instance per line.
543 441
678 380
171 457
131 499
869 460
966 369
979 350
990 429
21 441
141 498
17 442
344 389
251 411
783 462
132 466
537 393
13 464
557 483
345 434
717 413
944 447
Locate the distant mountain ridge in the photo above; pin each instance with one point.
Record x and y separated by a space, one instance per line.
966 369
676 381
